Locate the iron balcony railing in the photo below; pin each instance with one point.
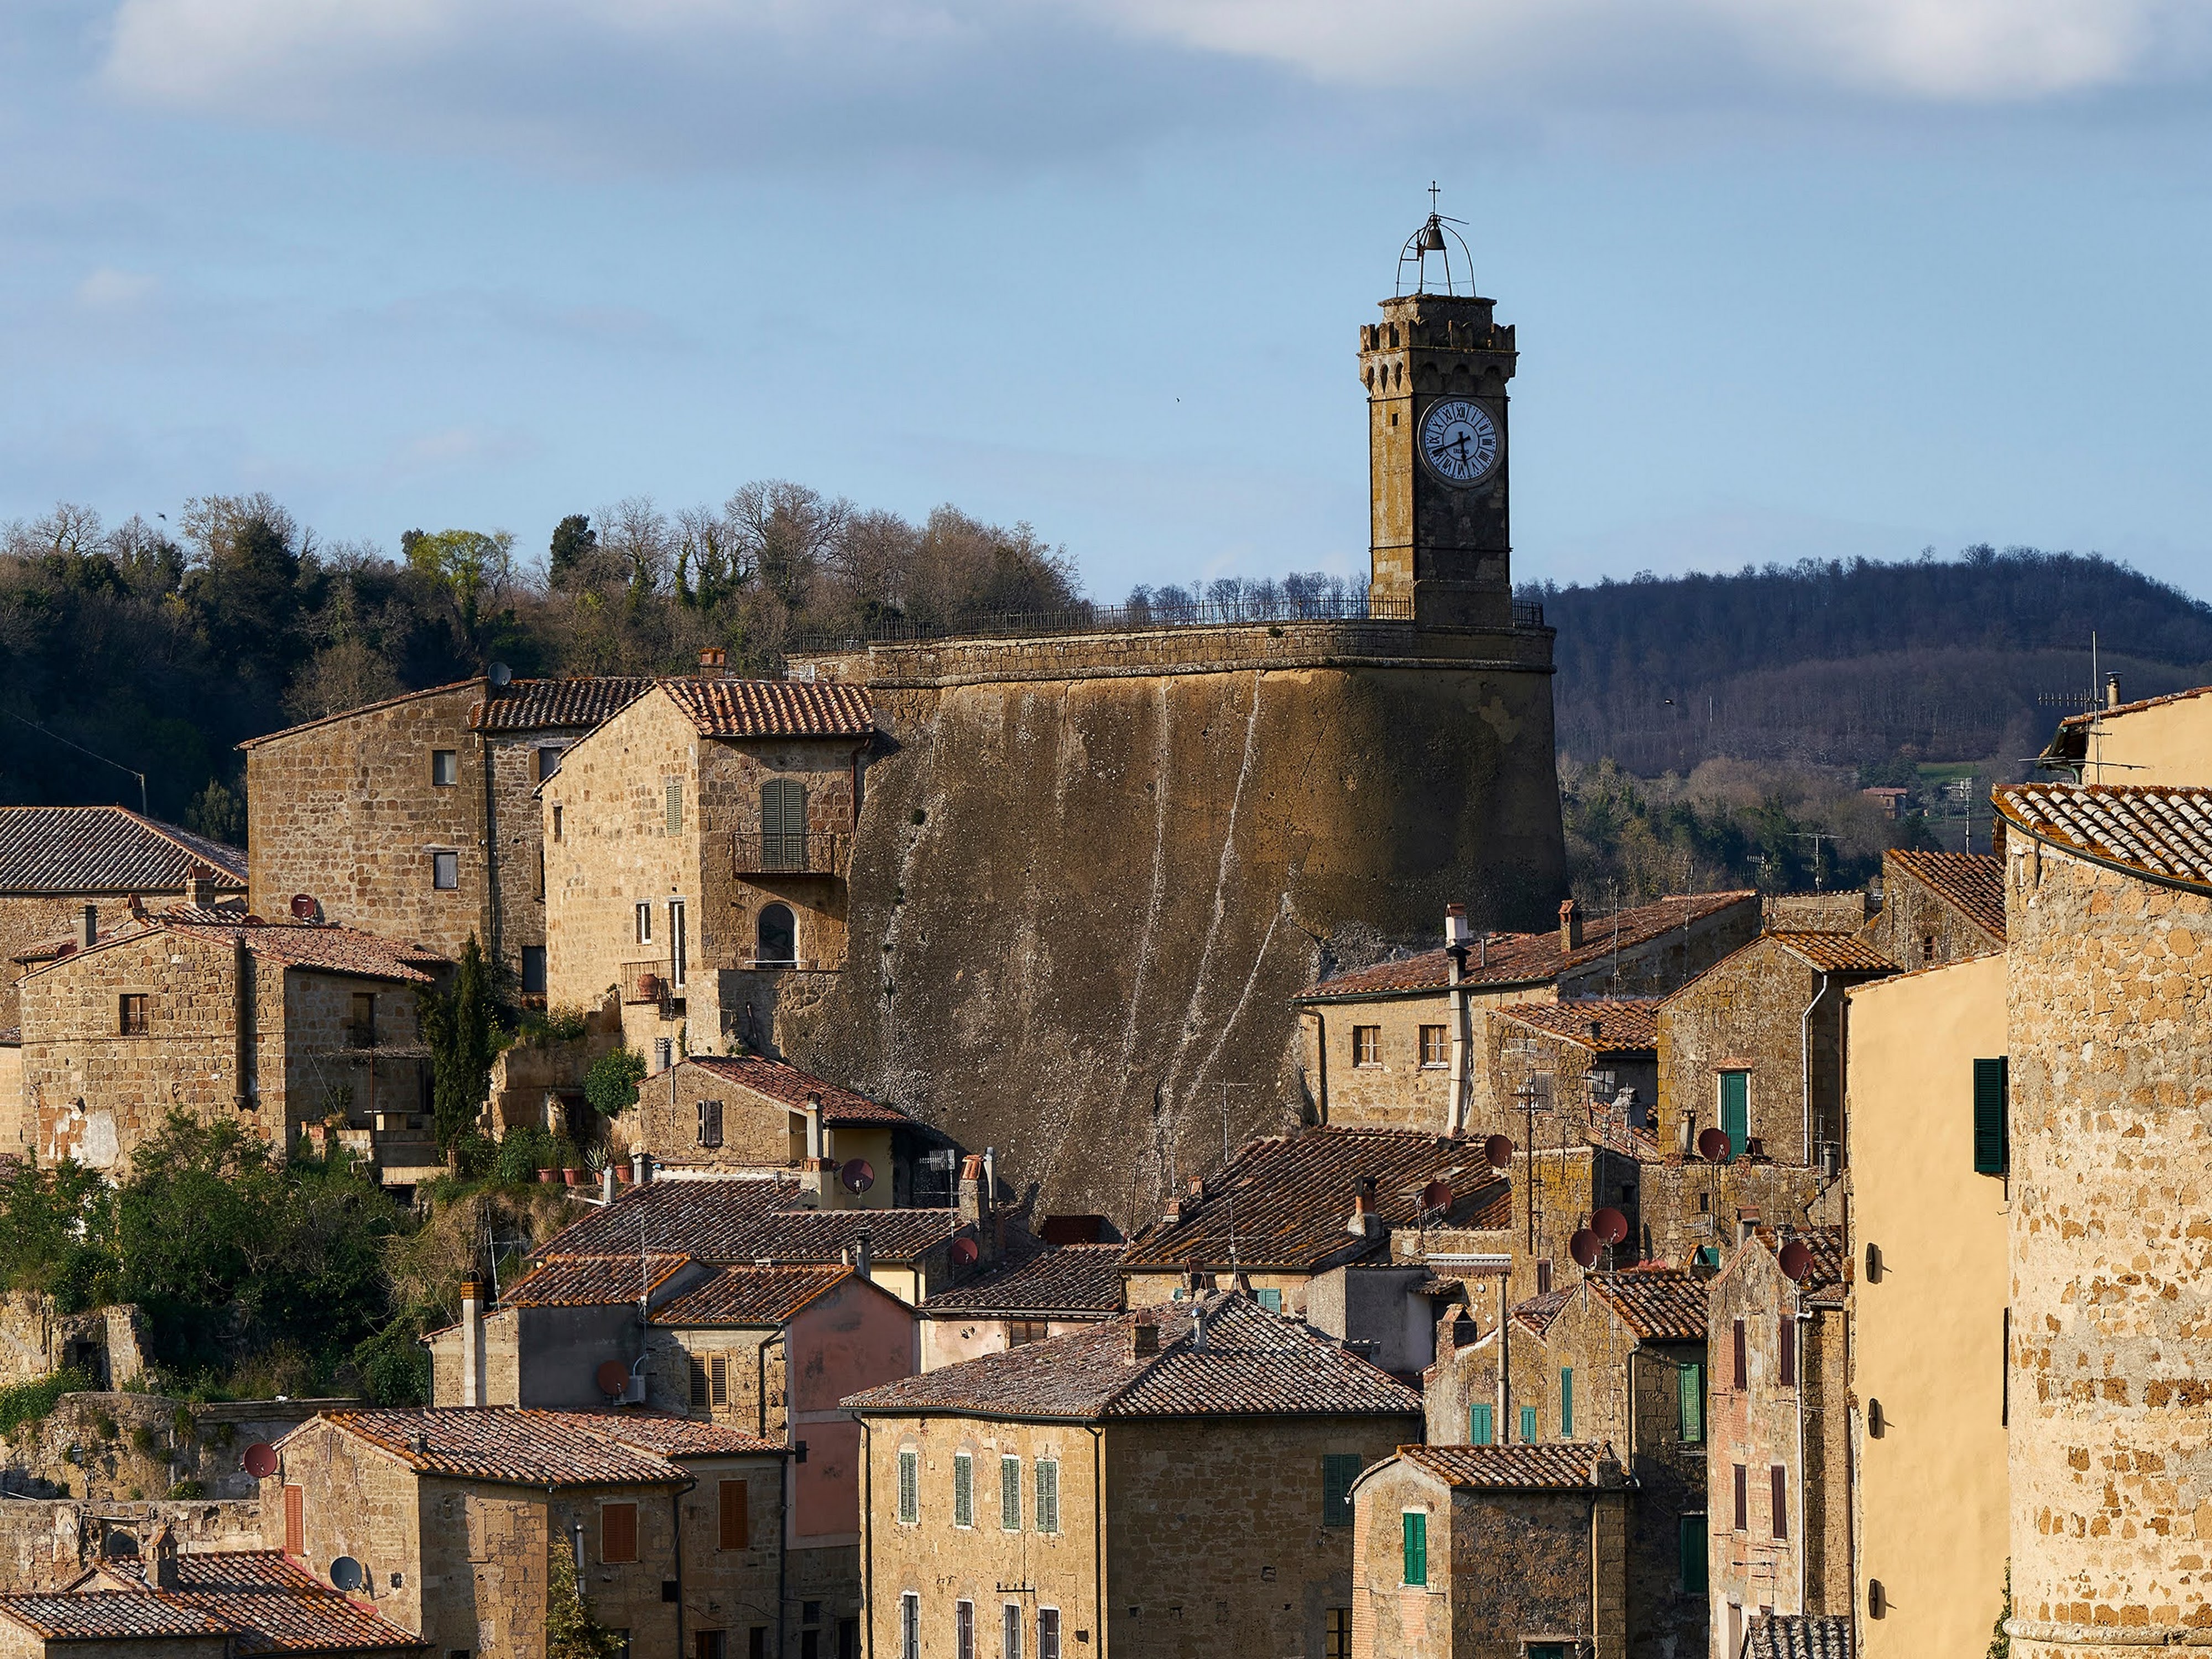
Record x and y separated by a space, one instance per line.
801 853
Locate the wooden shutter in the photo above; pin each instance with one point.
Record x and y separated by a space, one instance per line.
735 1517
964 1627
1742 1371
1047 1495
295 1521
1785 1347
1478 1429
1691 1551
617 1532
718 1379
1527 1426
1742 1499
1691 1381
1337 1470
1992 1090
783 824
964 1491
1417 1547
699 1397
1779 1478
1566 1403
675 790
910 1486
1735 1109
1010 1494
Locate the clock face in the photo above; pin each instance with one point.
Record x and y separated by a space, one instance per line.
1459 441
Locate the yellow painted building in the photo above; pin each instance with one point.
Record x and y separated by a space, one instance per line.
2159 740
1930 1315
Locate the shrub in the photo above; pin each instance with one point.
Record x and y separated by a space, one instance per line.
142 1441
104 1427
27 1402
188 1489
523 1151
611 1083
563 1024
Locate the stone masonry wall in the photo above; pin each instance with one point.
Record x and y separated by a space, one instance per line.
2111 1439
44 1544
1748 1015
120 1446
1917 928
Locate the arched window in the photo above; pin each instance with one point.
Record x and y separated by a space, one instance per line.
778 935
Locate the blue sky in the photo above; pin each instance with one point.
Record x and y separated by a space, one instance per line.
1791 278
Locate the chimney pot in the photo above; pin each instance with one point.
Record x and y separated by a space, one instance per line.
2111 690
199 889
1455 928
1570 925
712 661
87 927
162 1552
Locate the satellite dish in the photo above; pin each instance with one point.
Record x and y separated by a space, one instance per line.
858 1175
1610 1226
304 908
1797 1261
964 1253
1713 1147
499 674
613 1378
260 1460
348 1574
253 921
1499 1151
1585 1247
1436 1195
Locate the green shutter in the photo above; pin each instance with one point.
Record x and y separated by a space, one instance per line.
1566 1403
1271 1300
1010 1494
1693 1555
1478 1430
1691 1380
783 824
1527 1426
964 1490
1047 1495
1417 1547
1992 1096
675 806
910 1486
1337 1470
1735 1109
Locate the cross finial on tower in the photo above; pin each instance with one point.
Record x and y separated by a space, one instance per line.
1432 196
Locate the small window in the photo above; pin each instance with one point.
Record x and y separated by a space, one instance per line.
710 1123
1927 948
909 1488
1272 1300
1010 1494
735 1517
1740 1348
679 944
361 1032
1742 1498
617 1533
445 871
534 969
295 1521
756 1642
710 1644
674 792
1690 1385
848 1638
557 827
810 1644
1047 1633
1047 1494
1020 1333
132 1020
1992 1101
1544 1276
445 767
699 1400
1367 1045
963 1492
1417 1546
1527 1426
644 917
1785 1350
1479 1431
1435 1051
1010 1630
1690 1555
777 934
1778 1479
1566 1403
909 1625
548 761
718 1379
1337 1641
1337 1470
963 1629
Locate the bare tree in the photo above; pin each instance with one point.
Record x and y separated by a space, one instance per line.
788 530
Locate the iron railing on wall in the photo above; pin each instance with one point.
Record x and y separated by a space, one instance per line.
794 853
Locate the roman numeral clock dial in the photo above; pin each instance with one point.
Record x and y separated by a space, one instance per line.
1459 441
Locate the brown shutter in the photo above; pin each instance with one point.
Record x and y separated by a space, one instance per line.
735 1520
1742 1361
295 1521
1786 1335
1742 1499
1780 1480
617 1532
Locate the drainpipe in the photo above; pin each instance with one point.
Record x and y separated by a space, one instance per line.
1805 1047
867 1522
494 929
1455 938
1797 1371
1098 1535
1320 1051
676 1521
243 1021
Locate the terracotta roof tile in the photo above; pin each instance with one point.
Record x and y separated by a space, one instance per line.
1973 884
65 850
2151 830
1538 1312
1561 1465
841 1108
1527 958
593 1281
2090 717
1077 1281
316 946
1661 1303
773 709
750 1296
1286 1202
1624 1025
1799 1635
539 1448
275 1606
740 1220
540 705
87 1615
1835 953
1255 1363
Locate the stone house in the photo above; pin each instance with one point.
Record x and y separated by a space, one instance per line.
55 860
1778 1427
1391 1046
2152 742
414 816
1048 1293
1589 1062
696 849
1493 1553
454 1516
1928 1330
2108 907
1754 1047
1938 907
1695 1210
281 1025
1620 1358
725 1114
1176 1477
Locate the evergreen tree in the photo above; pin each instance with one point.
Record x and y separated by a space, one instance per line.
572 1630
457 1025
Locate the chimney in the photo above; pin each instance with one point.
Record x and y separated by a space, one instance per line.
813 1127
1198 1326
713 662
1363 1223
2111 690
161 1558
971 1182
607 1185
199 888
87 927
471 1343
990 1177
641 1168
1570 925
864 1255
1457 935
1144 1340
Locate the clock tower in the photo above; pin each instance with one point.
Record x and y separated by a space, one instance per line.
1438 455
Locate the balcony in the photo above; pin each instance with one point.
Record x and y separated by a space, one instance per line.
648 980
805 854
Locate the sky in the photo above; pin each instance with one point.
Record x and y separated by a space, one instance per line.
1791 278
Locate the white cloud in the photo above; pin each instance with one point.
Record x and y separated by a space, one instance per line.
106 289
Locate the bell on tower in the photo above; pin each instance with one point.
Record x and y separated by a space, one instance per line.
1435 369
